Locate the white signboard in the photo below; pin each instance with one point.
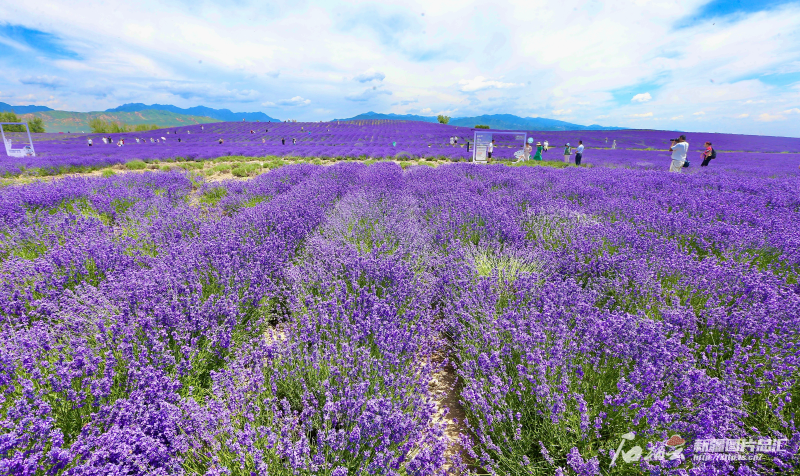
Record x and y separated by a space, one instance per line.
482 141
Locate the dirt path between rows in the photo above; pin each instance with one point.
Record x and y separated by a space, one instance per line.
446 386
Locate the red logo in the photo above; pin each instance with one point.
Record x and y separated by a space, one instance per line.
675 440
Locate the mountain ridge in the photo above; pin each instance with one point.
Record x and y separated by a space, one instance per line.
4 107
66 121
223 115
494 121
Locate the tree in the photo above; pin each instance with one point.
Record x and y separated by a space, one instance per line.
443 119
479 126
11 117
99 126
36 124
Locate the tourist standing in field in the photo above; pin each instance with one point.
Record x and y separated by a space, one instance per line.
527 154
614 144
546 146
579 153
294 141
283 141
489 151
90 142
679 148
539 149
567 152
708 155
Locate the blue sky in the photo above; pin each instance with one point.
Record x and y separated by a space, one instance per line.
694 65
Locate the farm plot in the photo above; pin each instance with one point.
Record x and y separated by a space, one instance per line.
301 322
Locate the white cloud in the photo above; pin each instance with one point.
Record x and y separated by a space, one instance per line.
646 114
765 117
427 110
438 59
45 81
189 90
367 94
792 111
675 118
295 101
602 116
370 75
642 97
562 112
699 113
742 116
480 83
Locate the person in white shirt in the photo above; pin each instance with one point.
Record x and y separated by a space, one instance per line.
451 141
546 145
614 144
489 151
579 153
679 149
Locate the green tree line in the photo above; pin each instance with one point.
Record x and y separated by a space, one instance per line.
35 124
100 126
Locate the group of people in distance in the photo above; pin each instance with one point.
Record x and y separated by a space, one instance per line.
542 147
680 148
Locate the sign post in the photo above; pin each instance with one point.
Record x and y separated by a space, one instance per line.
483 139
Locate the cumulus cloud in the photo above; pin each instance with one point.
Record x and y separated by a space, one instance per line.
675 118
562 112
49 82
699 113
642 97
792 111
480 83
646 114
427 110
742 116
765 117
367 94
188 90
296 101
369 75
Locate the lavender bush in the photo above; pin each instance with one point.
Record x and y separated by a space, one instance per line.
396 140
298 322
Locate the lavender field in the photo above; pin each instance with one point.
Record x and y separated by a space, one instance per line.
389 140
353 319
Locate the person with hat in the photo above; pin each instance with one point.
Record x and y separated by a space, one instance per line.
567 152
538 155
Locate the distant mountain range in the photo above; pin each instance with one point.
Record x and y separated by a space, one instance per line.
65 121
22 109
166 115
222 115
494 121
